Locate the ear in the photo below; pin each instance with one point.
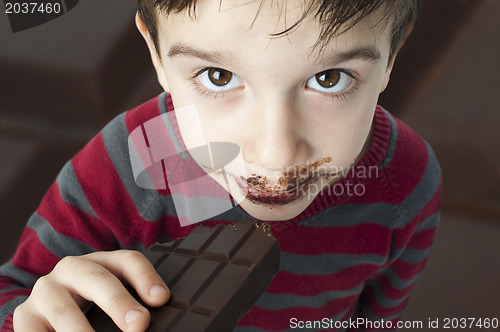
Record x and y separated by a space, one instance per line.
155 58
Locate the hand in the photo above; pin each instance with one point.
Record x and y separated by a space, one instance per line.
57 299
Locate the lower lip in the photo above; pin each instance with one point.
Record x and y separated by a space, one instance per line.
259 196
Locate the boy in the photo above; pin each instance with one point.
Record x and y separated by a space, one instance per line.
351 192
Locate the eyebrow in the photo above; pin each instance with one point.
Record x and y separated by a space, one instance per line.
368 53
179 49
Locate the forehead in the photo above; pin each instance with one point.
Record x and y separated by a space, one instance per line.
217 22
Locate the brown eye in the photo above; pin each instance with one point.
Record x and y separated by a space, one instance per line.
329 78
333 81
219 77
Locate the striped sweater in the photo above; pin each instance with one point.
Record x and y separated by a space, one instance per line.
346 256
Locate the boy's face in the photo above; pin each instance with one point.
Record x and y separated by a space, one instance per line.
289 110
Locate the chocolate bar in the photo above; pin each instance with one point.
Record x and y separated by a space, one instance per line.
215 275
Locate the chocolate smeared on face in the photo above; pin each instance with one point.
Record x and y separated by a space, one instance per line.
293 184
296 176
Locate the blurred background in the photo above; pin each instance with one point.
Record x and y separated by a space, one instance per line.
62 81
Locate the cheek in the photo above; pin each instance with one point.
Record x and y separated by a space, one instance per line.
220 123
356 129
343 138
178 91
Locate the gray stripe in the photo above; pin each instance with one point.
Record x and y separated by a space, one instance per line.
115 137
426 188
382 214
429 223
58 244
410 255
71 191
8 308
393 137
200 208
382 299
139 246
271 301
235 214
397 282
414 256
7 289
10 270
326 263
162 104
368 314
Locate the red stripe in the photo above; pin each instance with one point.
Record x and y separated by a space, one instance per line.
12 294
280 319
310 284
136 117
359 239
406 270
112 204
375 189
31 255
76 223
433 205
408 164
8 323
6 282
422 239
406 234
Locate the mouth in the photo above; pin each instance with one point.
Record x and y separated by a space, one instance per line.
258 191
293 184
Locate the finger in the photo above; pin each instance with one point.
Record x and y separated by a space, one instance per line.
95 283
25 320
58 306
134 268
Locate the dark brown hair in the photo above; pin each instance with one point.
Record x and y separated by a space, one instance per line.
335 16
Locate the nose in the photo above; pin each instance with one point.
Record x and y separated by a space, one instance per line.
276 138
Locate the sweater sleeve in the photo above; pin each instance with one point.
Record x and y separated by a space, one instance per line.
93 205
386 294
52 232
65 223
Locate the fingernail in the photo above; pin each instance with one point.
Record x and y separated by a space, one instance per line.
156 290
131 315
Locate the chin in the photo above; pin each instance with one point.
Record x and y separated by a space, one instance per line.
272 212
